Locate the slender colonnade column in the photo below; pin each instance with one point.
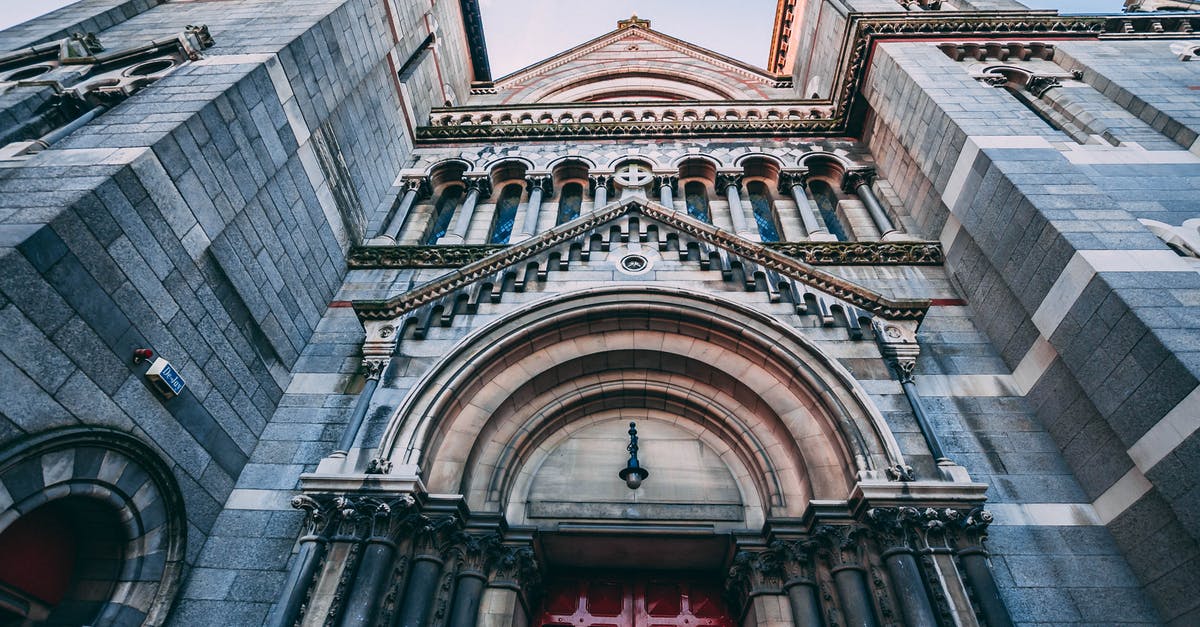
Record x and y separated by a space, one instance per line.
537 185
796 184
859 182
730 183
476 186
412 188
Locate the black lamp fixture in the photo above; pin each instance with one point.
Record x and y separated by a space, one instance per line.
633 474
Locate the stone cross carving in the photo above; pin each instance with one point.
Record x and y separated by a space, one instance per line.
633 178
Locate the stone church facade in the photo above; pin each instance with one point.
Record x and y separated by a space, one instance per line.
308 319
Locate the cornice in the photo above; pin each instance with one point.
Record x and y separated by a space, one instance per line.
863 31
917 253
578 229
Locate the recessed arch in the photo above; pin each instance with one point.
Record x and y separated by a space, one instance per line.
129 494
820 433
661 80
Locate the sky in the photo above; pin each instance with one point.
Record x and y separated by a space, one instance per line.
523 32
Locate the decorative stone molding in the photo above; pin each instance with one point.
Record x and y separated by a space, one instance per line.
752 256
1000 51
514 122
813 253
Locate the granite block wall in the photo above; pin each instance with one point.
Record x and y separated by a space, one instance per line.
206 217
1093 313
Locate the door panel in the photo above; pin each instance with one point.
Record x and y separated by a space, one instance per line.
633 600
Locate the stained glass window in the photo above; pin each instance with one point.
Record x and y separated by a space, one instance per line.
697 201
506 214
443 211
569 202
827 201
764 211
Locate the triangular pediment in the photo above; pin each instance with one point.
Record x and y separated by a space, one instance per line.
637 63
756 267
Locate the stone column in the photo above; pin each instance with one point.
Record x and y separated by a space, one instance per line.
666 185
313 544
859 182
424 572
476 186
842 547
891 527
731 183
899 348
373 369
474 552
800 581
537 186
974 559
796 184
411 189
599 190
375 566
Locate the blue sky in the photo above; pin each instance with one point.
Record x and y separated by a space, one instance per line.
521 32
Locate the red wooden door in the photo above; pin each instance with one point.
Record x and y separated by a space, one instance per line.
633 601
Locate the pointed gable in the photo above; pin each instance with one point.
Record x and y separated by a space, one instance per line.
635 63
753 266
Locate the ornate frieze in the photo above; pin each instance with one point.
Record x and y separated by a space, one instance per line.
729 249
813 253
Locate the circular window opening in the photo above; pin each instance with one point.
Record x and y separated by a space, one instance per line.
634 264
28 73
150 67
60 562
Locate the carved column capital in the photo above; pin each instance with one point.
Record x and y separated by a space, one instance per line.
797 558
373 367
431 537
842 545
317 514
893 528
854 179
479 183
599 180
788 180
725 180
753 573
538 181
668 181
474 552
418 184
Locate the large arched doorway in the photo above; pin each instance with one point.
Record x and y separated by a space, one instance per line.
494 496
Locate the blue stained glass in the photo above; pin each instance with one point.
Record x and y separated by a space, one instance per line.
697 201
827 206
506 214
570 202
764 213
442 214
